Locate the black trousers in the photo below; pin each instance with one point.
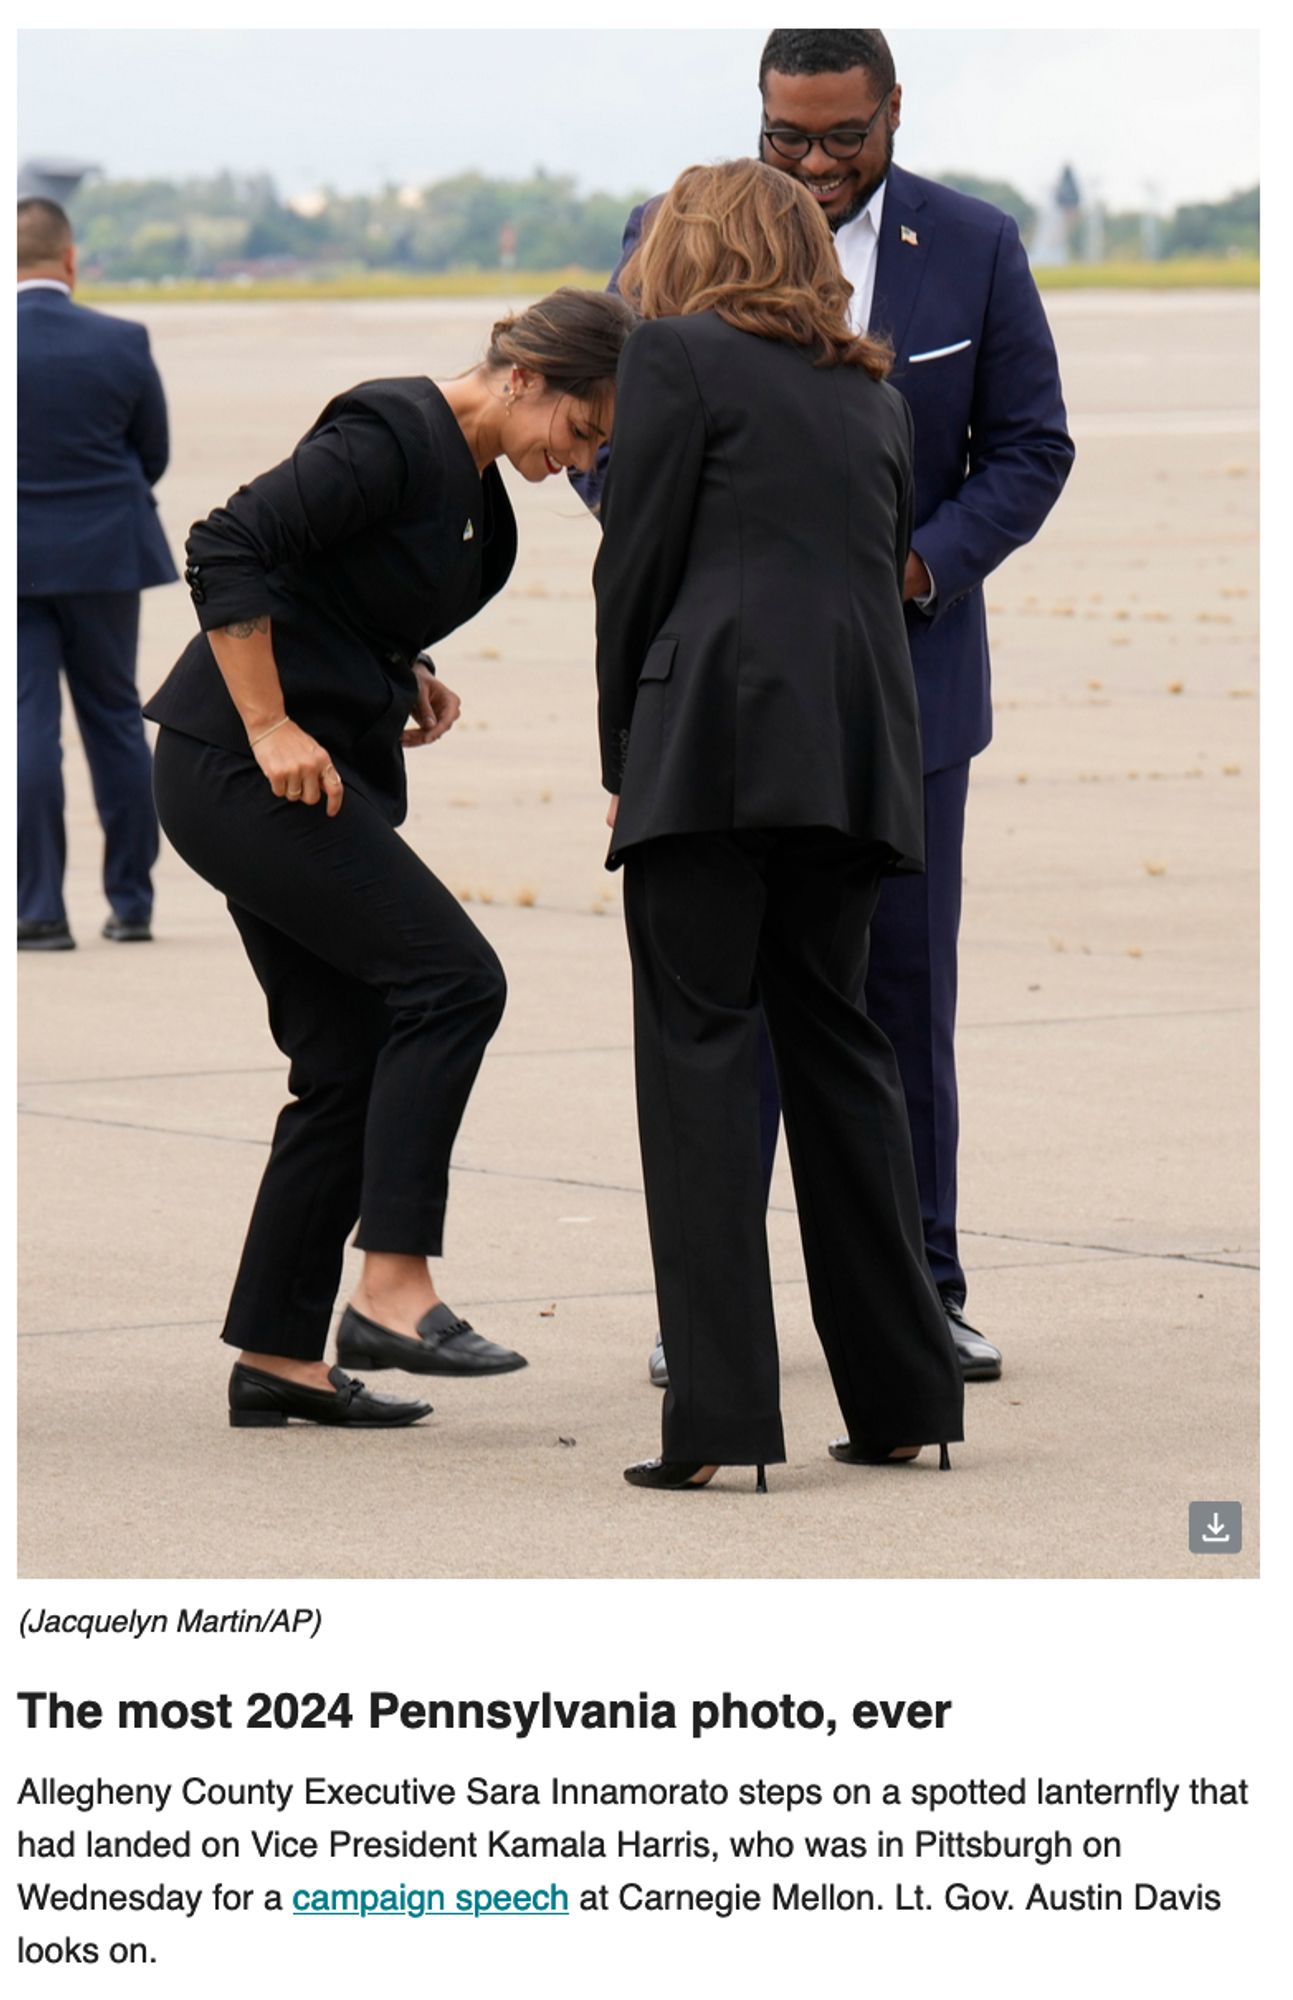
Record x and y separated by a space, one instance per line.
911 997
719 925
382 994
91 640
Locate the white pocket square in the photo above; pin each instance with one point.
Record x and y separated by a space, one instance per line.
937 353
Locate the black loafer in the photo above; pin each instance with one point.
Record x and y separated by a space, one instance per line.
45 937
980 1360
118 931
446 1345
658 1367
259 1401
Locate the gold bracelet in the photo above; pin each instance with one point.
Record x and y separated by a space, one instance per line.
252 741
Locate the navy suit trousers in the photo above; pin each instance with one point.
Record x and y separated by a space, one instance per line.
92 639
911 997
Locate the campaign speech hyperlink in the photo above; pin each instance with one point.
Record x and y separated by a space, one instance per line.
405 1902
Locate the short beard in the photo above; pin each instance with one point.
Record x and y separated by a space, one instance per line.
851 214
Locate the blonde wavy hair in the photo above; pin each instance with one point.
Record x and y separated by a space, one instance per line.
747 242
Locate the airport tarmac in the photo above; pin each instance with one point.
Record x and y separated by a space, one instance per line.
1107 1049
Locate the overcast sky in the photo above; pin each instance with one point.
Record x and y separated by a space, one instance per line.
1168 114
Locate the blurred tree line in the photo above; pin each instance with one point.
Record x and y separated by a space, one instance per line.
1216 228
159 229
1000 193
1203 229
208 228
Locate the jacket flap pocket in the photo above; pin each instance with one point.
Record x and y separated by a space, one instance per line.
658 664
388 723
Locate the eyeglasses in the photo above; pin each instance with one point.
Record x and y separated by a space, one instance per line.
844 144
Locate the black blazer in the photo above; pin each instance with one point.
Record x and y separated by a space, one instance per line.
752 659
371 542
974 358
92 444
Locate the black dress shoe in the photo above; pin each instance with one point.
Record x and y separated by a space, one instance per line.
446 1345
45 937
980 1360
850 1451
258 1401
118 931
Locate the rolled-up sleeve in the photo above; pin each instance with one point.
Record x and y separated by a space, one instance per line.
341 479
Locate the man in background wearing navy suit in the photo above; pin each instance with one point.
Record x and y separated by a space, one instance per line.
92 443
946 280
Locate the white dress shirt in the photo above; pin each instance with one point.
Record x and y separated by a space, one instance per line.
856 245
44 285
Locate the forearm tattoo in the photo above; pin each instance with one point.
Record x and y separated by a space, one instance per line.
245 627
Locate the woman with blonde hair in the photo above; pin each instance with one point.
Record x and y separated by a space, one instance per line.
759 734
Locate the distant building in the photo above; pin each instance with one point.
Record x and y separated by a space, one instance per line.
1093 241
55 179
1056 225
1151 225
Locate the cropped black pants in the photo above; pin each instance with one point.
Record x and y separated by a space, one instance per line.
720 924
383 996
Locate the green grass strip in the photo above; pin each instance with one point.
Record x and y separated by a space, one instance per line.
1174 275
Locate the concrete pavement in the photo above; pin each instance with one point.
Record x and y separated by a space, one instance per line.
1107 1042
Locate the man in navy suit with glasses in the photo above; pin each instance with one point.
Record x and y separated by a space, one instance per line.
92 443
946 281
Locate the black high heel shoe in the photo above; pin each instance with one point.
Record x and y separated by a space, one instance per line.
679 1475
849 1451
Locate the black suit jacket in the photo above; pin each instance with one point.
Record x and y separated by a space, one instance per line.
92 443
752 659
974 358
371 542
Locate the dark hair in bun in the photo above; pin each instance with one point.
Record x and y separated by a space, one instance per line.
572 338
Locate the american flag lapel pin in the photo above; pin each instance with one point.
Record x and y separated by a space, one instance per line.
909 236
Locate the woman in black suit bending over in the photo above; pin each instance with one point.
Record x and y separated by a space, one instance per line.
759 728
280 779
